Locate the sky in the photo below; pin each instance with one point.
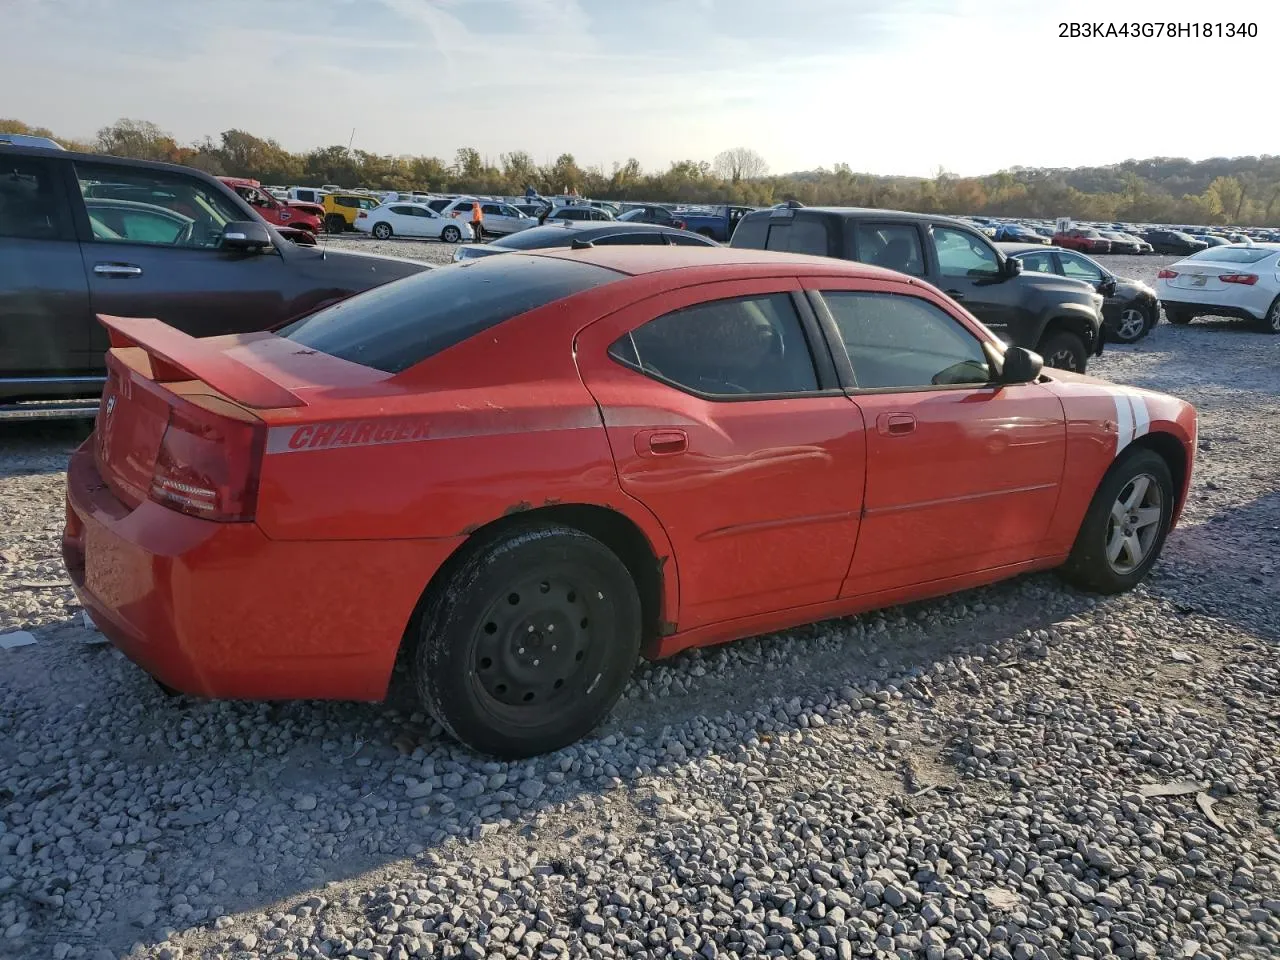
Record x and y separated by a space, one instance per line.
886 86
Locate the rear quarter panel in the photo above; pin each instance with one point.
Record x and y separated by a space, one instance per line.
1103 421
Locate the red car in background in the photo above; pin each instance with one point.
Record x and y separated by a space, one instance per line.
516 474
282 213
1082 239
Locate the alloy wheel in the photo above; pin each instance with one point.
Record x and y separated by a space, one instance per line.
1134 525
1063 360
1273 317
1132 321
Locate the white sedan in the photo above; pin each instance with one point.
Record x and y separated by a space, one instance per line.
399 219
1238 280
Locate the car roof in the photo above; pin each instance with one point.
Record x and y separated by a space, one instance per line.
1013 249
641 259
870 213
54 154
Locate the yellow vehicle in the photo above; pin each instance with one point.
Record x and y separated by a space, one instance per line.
340 210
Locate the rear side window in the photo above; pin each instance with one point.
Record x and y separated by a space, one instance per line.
747 346
894 246
390 328
30 208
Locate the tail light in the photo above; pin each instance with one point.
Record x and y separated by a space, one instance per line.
1248 279
208 465
679 224
1166 274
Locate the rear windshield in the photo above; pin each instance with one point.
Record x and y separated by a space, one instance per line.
390 328
538 237
1235 254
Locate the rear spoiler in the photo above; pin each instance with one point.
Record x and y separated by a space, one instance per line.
179 356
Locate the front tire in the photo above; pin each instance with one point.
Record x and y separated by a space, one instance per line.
1125 527
1134 324
1065 351
450 234
382 231
530 642
1179 318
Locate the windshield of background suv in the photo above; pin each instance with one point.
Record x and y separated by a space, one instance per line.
392 327
1235 254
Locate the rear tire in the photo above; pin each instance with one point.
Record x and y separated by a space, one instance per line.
1271 322
335 223
1065 351
382 231
1121 538
1179 318
529 643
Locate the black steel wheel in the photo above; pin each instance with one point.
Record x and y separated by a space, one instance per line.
529 644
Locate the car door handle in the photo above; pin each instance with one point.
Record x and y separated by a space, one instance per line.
955 294
896 424
661 443
117 269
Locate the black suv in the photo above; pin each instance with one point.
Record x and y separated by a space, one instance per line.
1061 319
83 234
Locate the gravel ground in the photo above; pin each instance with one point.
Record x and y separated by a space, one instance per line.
965 777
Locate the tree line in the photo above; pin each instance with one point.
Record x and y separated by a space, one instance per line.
1241 190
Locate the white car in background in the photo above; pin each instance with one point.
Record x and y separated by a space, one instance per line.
500 219
1238 280
401 219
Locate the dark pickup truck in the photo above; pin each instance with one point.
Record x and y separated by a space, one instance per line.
83 234
1060 319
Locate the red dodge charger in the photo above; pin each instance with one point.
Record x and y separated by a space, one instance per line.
521 472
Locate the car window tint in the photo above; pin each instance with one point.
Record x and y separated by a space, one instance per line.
895 341
159 208
346 201
961 254
630 239
1079 268
29 207
750 233
394 326
1037 262
808 235
491 208
894 246
689 240
307 196
403 211
1234 254
740 347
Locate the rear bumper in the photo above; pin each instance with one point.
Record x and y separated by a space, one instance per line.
1204 305
220 610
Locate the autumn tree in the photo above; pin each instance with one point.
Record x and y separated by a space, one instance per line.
739 163
137 139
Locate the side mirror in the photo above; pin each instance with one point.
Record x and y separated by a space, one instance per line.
1107 287
1012 266
1020 366
246 236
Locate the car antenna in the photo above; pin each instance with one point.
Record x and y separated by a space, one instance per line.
581 244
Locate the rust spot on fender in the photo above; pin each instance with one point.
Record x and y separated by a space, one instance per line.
515 508
551 501
662 563
666 628
469 529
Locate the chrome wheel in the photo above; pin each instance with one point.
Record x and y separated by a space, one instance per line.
1134 525
1132 322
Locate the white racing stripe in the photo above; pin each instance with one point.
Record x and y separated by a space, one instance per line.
1132 418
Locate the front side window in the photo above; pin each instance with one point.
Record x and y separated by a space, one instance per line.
1078 268
1037 262
29 207
894 246
961 254
904 343
130 205
746 346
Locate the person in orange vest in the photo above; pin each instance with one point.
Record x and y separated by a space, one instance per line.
477 221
